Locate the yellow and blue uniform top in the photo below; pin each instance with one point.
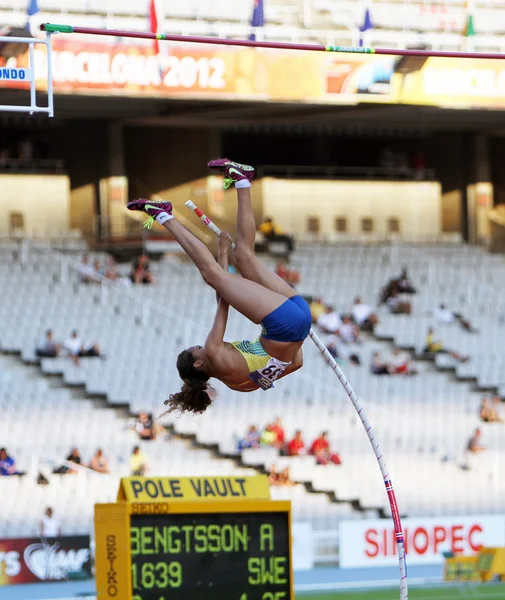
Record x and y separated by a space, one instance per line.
254 354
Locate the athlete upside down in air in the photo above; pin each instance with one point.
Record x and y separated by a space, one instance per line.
260 295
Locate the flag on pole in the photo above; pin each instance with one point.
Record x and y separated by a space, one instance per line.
31 11
258 17
469 30
154 23
366 26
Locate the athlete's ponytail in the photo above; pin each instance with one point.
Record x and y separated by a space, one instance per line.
194 396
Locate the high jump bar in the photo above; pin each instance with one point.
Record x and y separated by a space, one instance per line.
146 35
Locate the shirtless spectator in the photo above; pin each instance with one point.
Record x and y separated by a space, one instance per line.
285 477
474 445
485 410
99 462
141 270
49 348
273 476
329 321
363 315
495 410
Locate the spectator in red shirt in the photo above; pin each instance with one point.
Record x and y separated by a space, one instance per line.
296 446
278 429
321 450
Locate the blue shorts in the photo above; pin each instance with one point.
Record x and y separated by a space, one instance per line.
290 322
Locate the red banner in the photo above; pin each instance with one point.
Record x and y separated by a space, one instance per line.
32 560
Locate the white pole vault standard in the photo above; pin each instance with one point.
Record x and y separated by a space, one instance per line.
27 75
404 594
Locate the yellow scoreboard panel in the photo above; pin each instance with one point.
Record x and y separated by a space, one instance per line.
200 538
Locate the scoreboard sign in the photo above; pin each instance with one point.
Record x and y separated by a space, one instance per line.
194 547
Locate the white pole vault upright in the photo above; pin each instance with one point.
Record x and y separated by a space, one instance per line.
27 75
395 513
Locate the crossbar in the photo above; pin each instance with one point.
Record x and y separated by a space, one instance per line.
146 35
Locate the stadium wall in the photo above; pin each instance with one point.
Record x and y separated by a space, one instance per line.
35 205
299 205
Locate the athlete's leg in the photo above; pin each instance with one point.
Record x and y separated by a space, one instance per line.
248 297
245 260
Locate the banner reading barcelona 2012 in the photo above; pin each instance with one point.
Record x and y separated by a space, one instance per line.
84 66
33 560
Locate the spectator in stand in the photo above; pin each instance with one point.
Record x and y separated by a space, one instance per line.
321 450
86 270
111 271
363 315
98 269
273 233
290 276
485 410
76 348
49 348
331 346
317 308
268 437
496 410
378 366
404 284
296 446
329 321
348 331
99 462
434 346
273 476
73 457
278 429
445 316
285 477
141 270
138 462
8 464
146 428
251 439
396 305
400 363
474 445
50 526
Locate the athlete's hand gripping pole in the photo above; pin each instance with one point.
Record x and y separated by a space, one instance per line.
404 594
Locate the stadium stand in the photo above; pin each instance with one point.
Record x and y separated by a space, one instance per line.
436 24
423 422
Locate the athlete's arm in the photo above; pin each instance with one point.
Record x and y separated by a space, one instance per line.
216 334
295 365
